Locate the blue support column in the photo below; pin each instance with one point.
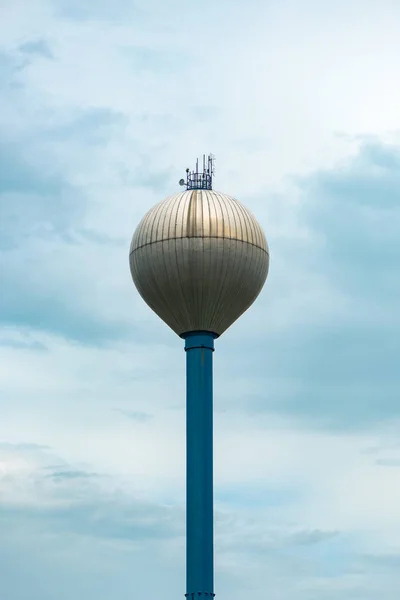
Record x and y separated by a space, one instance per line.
199 348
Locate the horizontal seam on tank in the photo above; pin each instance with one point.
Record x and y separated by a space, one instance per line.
197 237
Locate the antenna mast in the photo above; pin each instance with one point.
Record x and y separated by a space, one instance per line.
196 180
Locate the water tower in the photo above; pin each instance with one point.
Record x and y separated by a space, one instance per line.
199 259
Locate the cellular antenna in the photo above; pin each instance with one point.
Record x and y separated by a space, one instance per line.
200 180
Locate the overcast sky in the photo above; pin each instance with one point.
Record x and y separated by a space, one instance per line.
103 105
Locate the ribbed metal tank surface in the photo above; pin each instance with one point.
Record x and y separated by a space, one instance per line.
199 259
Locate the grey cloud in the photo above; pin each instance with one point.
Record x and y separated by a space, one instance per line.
340 372
309 538
149 59
33 201
9 67
351 383
204 112
144 176
276 541
38 206
20 175
23 345
59 475
97 237
134 415
114 518
70 501
258 496
385 156
92 535
246 529
76 539
384 562
388 462
54 313
88 126
42 215
354 208
23 446
39 566
39 47
85 10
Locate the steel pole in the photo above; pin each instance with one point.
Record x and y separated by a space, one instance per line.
199 348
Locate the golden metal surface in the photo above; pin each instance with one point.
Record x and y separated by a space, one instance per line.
199 259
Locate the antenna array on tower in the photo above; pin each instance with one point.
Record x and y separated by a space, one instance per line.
200 180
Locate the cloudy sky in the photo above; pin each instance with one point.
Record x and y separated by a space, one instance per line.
103 104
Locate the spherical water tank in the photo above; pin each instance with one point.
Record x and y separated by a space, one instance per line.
199 259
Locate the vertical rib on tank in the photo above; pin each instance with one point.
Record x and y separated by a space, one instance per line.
199 259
